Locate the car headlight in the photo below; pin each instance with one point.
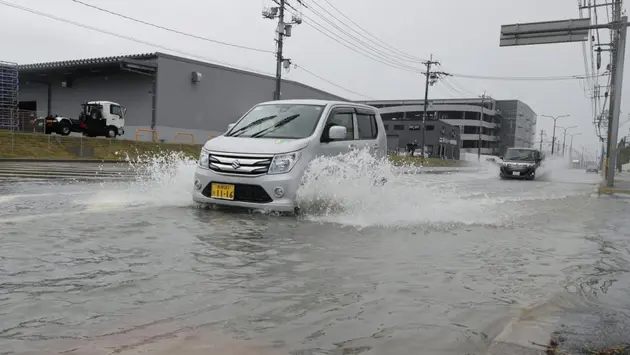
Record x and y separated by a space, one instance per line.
203 158
283 163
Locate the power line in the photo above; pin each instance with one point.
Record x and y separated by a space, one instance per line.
370 52
331 83
525 78
371 35
353 47
132 39
388 51
172 30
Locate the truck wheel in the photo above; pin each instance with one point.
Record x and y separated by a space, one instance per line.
112 132
64 128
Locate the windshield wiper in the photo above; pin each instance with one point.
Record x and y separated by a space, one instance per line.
256 122
276 126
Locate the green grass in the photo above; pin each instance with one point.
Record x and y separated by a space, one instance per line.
41 146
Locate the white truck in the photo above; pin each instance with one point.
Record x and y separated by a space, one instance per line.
259 162
97 118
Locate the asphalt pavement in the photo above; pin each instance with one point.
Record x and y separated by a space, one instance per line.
458 263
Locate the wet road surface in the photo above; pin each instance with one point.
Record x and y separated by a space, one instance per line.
445 264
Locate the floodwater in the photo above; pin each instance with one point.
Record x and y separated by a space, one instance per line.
428 264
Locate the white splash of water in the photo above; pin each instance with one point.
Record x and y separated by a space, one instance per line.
164 179
342 189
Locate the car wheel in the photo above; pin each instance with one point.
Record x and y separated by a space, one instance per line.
111 132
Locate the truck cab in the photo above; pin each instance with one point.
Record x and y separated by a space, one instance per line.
259 162
102 118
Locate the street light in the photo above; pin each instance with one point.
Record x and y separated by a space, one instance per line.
553 138
564 137
571 146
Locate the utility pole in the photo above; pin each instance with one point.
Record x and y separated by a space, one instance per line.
542 134
553 135
564 137
620 27
430 79
483 101
571 146
283 30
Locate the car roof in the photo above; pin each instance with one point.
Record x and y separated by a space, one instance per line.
317 102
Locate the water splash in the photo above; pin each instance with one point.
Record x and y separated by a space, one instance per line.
163 179
345 189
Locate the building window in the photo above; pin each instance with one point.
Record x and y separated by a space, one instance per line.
386 127
399 127
367 126
414 127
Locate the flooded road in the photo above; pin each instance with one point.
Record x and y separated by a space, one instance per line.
434 264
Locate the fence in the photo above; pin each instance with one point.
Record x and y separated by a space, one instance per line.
21 121
51 146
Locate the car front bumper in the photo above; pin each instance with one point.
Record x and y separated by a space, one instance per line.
253 192
517 172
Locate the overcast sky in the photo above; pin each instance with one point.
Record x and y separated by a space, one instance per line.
462 34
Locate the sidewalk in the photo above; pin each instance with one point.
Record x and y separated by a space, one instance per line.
621 186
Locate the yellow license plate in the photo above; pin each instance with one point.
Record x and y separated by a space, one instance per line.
222 191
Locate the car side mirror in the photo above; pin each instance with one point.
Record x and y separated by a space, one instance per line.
337 133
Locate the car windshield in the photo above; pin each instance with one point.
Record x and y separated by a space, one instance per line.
290 121
520 154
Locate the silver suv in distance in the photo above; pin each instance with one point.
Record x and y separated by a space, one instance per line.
259 162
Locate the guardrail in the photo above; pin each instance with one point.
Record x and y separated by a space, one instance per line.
184 134
154 133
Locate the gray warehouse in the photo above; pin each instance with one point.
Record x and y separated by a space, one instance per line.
160 91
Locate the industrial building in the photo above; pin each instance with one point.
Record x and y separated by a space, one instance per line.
171 94
505 123
160 91
518 125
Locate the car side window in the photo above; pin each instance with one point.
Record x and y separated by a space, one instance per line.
366 123
340 118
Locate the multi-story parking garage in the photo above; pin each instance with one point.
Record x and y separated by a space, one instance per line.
495 129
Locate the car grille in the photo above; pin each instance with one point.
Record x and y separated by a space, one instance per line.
243 192
239 164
